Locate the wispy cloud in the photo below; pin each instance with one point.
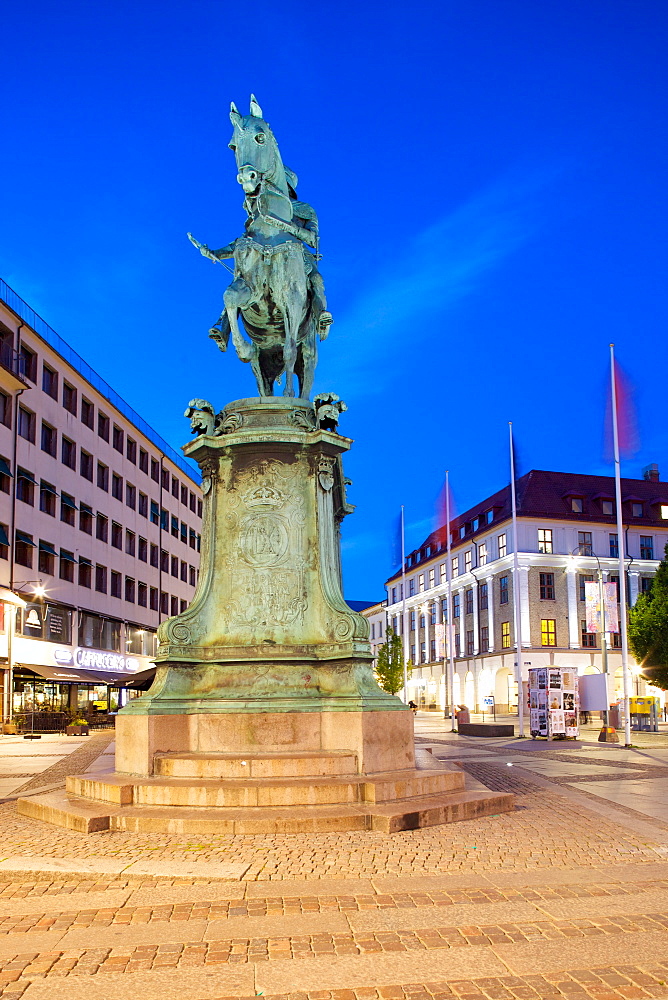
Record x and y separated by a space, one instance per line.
440 265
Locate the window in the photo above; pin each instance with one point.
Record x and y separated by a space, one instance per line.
129 590
411 586
421 583
68 509
164 603
85 573
505 635
184 532
503 590
645 584
192 538
117 439
664 512
175 527
468 600
576 507
175 605
547 586
584 578
183 605
548 632
130 496
616 640
87 413
47 498
143 460
131 451
68 453
467 561
456 605
199 508
484 639
614 545
85 518
155 556
99 633
608 508
164 519
86 465
103 477
483 596
637 509
462 531
502 545
142 549
444 610
153 598
184 495
117 486
489 516
588 638
423 621
192 501
46 557
412 620
23 549
5 410
175 566
26 424
130 542
423 652
53 623
116 535
5 476
469 643
103 426
475 524
143 505
70 398
432 651
67 563
584 543
646 547
49 439
155 470
164 560
458 646
432 578
165 480
175 487
50 381
455 566
25 486
482 554
142 595
29 359
184 571
192 576
155 513
545 540
101 528
115 588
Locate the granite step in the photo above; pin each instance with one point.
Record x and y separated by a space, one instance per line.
257 765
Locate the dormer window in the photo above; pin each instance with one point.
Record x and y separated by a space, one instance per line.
489 517
637 509
576 505
462 531
475 524
608 507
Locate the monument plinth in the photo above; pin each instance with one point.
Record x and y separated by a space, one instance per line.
265 715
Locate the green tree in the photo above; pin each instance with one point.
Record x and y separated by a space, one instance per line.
648 628
390 663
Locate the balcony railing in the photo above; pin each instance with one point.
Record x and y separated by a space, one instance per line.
11 359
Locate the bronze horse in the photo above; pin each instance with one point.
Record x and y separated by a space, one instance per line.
277 288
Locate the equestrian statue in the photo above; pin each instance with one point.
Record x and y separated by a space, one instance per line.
277 288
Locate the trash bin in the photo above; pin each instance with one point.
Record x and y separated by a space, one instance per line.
463 715
613 717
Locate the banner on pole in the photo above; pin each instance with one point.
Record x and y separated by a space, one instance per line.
611 609
439 632
592 606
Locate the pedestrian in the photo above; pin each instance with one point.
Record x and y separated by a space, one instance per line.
413 707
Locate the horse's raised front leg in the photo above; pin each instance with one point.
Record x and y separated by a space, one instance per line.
236 296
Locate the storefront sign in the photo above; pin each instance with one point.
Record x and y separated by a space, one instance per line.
63 656
97 659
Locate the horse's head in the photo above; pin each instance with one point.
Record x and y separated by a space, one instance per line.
255 150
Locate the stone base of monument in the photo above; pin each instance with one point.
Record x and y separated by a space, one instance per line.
262 793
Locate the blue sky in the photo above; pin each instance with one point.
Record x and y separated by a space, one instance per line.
491 185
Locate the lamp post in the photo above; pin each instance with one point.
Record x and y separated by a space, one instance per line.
19 602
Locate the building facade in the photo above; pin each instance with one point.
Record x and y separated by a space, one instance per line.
567 534
100 524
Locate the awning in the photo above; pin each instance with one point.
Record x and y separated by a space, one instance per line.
4 468
24 474
140 679
26 539
4 539
67 556
47 547
48 488
68 501
84 562
61 675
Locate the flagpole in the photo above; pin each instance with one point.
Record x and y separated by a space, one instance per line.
620 551
517 605
449 652
404 647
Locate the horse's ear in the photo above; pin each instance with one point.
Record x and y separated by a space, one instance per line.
255 109
235 117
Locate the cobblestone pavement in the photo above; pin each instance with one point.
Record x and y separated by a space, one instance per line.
565 897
